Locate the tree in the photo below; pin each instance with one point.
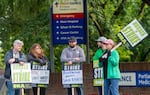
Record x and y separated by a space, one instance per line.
110 16
28 20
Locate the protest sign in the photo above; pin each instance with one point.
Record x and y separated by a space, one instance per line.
21 73
72 74
132 34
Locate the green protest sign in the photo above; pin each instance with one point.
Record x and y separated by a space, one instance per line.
132 34
21 73
98 74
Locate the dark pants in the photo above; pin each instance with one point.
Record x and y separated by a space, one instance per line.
99 90
78 90
42 90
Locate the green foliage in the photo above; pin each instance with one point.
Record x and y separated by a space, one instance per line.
110 16
57 51
28 20
1 59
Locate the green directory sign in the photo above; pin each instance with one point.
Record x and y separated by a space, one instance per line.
132 34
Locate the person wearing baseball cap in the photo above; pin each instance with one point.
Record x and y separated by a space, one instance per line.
101 47
110 42
71 55
72 39
101 39
111 73
99 52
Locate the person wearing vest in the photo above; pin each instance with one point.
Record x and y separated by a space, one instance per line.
38 61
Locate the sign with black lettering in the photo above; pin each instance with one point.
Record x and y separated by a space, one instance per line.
136 79
128 79
40 76
72 77
72 74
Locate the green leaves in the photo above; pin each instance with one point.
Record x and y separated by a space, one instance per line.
108 17
28 20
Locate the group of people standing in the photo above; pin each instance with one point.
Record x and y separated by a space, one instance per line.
108 59
36 57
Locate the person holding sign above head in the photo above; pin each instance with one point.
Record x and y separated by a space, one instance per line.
99 53
13 56
110 62
38 61
71 55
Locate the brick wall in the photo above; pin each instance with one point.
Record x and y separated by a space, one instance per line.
55 87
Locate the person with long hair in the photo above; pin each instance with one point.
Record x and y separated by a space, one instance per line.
38 61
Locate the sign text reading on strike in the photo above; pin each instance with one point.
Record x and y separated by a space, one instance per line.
21 77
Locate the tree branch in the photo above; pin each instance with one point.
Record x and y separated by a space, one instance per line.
119 9
147 2
97 25
145 55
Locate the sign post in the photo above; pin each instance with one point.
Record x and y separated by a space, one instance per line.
68 19
38 91
22 91
72 91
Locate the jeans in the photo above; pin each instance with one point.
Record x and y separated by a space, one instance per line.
111 86
11 90
79 91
